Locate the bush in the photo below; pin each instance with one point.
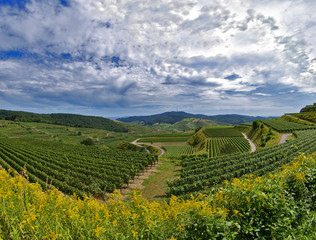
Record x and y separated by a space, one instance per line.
256 124
87 142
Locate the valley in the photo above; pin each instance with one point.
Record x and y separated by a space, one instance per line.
152 165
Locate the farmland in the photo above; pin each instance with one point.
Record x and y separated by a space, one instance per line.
225 145
163 139
178 151
224 140
224 170
72 169
240 202
222 131
199 172
284 126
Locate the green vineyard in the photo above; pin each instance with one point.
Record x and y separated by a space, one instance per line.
222 131
163 139
72 169
200 173
284 126
225 145
178 151
225 140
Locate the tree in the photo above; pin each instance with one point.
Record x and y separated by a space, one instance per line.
87 142
256 124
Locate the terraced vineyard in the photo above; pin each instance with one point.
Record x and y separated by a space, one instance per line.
177 151
225 145
225 140
72 169
222 131
308 116
284 126
199 172
163 139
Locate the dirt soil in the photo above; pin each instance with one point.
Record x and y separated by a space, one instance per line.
137 183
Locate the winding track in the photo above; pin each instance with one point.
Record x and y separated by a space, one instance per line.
284 137
253 146
140 145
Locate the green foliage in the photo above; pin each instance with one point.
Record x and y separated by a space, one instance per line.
296 118
284 126
263 136
222 131
225 140
275 206
128 146
308 116
83 170
200 172
218 146
73 120
256 124
198 141
152 150
163 139
178 151
87 142
309 108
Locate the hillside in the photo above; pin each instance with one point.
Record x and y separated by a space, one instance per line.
97 170
173 117
309 108
184 125
73 120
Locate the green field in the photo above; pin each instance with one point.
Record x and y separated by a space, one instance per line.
177 151
72 169
200 172
225 140
163 139
222 131
284 126
73 135
226 145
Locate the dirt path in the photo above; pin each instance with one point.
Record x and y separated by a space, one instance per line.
162 151
284 137
253 146
137 183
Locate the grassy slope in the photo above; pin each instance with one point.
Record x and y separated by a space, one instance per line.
156 185
184 125
255 136
73 135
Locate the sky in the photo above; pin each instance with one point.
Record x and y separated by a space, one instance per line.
115 58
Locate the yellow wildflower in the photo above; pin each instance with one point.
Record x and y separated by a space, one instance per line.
134 233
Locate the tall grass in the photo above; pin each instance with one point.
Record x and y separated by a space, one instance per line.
276 206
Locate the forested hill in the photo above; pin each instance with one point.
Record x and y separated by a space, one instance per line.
73 120
173 117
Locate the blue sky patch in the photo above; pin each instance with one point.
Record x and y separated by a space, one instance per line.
119 57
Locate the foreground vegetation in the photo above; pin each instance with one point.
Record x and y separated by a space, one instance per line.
284 126
200 172
72 169
276 206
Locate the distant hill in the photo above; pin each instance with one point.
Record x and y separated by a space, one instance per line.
174 117
184 125
73 120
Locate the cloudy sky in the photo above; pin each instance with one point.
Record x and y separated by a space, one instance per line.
138 57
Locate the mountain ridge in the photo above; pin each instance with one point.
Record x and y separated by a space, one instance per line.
175 116
67 119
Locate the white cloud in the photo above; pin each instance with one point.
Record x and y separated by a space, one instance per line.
169 51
